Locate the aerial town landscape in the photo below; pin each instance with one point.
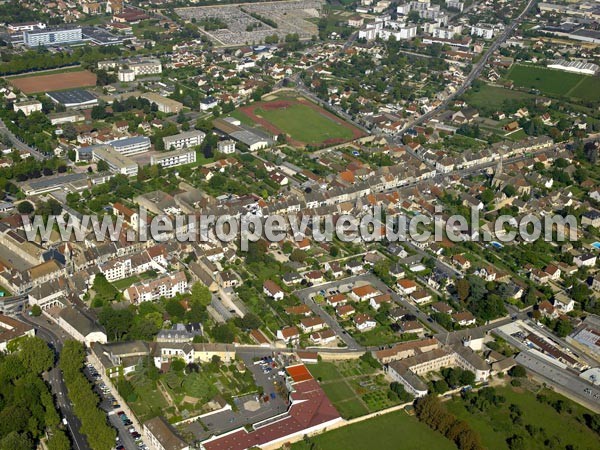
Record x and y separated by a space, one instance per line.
299 224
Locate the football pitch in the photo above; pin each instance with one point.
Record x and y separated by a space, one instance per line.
303 122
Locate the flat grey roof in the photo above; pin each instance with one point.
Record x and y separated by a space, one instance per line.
73 96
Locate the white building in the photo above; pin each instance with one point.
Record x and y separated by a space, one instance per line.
483 31
208 103
131 145
80 327
575 67
167 286
145 66
126 75
173 159
184 140
25 26
117 163
35 38
11 329
160 435
226 147
28 107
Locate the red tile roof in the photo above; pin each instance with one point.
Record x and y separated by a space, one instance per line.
310 408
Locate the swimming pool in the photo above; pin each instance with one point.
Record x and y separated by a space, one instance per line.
596 245
496 244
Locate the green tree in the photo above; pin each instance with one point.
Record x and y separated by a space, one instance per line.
201 294
25 207
35 354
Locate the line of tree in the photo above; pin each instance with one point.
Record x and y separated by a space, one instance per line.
27 409
433 413
99 434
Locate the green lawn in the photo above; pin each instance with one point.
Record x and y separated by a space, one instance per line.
351 408
495 426
305 124
123 284
150 401
548 81
324 371
587 89
391 431
338 391
492 97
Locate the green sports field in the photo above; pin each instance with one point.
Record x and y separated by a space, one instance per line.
303 123
555 82
396 430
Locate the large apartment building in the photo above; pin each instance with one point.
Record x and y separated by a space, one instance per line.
167 286
184 140
173 159
35 38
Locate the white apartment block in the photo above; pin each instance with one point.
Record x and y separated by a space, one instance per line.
131 145
167 286
56 36
146 67
184 140
226 147
173 159
483 31
117 163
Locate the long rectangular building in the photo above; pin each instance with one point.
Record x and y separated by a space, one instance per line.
173 159
35 38
131 145
184 140
117 162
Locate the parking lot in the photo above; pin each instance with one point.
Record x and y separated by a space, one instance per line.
128 437
251 408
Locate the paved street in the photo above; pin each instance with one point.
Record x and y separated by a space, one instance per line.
57 385
562 379
18 144
345 285
477 68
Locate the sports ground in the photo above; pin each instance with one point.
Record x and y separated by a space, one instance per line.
300 120
556 82
32 84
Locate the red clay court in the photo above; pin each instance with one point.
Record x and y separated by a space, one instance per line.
54 81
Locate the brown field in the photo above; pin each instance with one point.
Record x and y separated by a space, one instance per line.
54 82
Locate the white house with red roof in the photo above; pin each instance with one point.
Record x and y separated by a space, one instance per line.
364 293
289 335
270 289
364 322
406 286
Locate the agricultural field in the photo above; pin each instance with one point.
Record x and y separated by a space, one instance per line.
555 82
387 432
555 422
354 387
32 84
303 122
